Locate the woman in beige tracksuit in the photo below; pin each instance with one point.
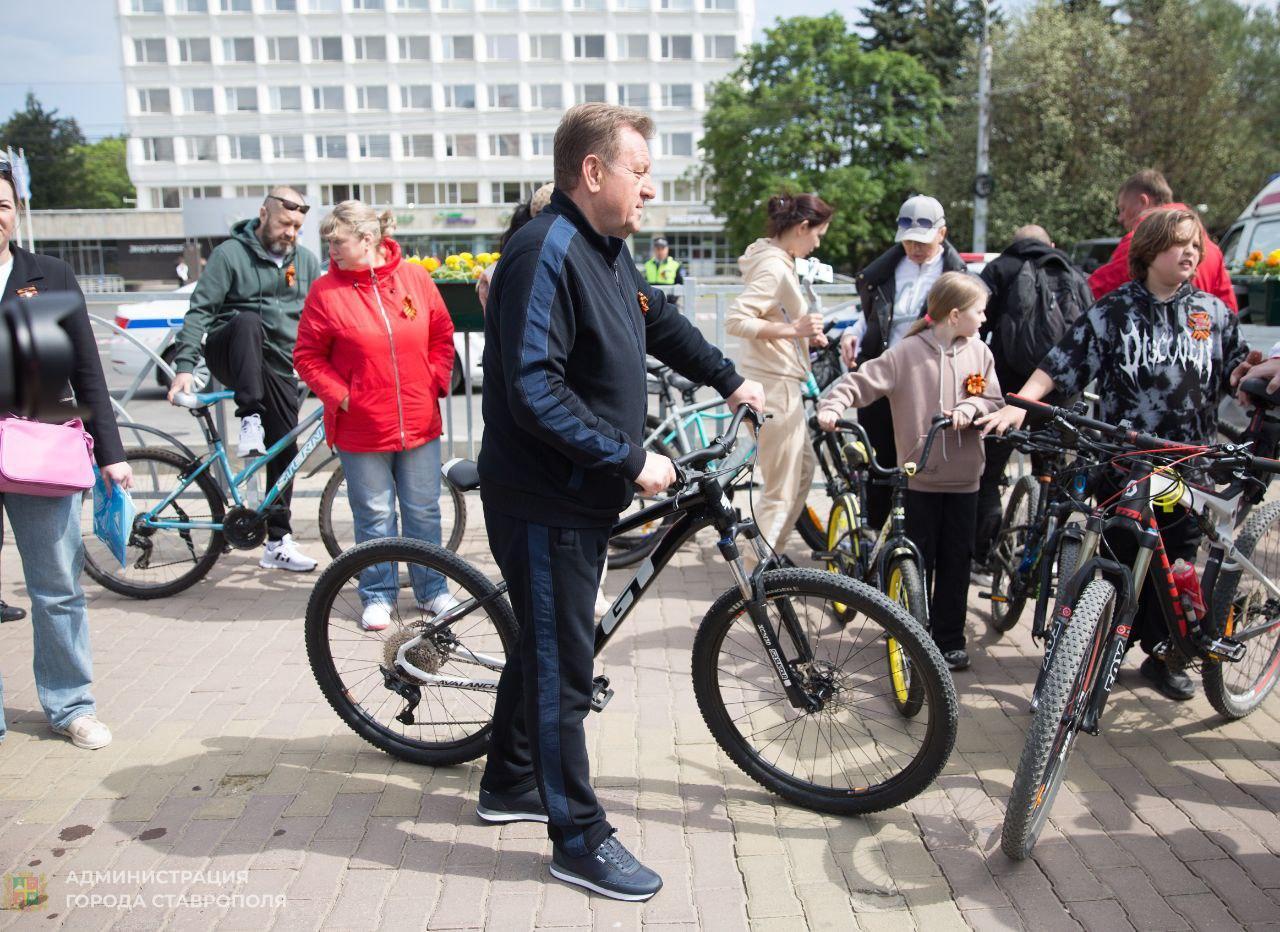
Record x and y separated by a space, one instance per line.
773 320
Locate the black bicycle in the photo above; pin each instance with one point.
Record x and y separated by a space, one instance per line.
1235 640
795 693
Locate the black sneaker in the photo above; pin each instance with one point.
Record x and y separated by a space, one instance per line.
956 659
1175 685
511 807
611 870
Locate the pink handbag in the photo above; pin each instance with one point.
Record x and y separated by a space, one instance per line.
45 459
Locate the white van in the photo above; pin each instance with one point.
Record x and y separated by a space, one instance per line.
1257 229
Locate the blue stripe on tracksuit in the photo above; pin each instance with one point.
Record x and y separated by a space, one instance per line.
549 410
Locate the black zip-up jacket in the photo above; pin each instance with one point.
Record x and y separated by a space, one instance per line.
567 326
877 288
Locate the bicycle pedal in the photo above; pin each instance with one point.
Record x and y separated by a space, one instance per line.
600 693
1225 648
992 597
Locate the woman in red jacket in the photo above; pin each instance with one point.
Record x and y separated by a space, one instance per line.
375 343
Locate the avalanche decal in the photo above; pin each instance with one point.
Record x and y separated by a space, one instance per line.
1143 351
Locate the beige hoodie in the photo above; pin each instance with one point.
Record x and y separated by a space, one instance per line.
772 294
923 379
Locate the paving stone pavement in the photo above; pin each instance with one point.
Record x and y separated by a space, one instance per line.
228 762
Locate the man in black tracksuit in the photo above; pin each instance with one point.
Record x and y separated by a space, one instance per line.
568 323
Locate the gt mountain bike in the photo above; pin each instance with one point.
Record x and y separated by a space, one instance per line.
1236 642
795 693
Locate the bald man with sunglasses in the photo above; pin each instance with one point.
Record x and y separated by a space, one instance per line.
245 309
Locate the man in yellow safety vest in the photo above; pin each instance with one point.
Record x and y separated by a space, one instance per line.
663 268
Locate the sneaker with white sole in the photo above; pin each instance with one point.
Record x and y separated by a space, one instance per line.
253 439
611 870
439 603
376 616
284 554
86 732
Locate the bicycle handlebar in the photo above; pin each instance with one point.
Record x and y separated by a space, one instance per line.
720 447
940 422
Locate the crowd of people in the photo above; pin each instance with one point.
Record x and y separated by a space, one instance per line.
569 320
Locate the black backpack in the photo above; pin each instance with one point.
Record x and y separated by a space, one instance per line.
1045 299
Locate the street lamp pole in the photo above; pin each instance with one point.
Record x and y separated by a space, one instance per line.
982 184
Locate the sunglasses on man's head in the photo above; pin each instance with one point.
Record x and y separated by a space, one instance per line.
290 205
906 223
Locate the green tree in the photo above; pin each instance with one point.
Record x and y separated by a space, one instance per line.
102 178
809 110
49 142
942 34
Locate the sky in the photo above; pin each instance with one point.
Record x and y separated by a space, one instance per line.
68 53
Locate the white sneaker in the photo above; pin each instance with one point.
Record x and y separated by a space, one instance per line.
284 554
376 616
439 604
602 604
86 732
253 438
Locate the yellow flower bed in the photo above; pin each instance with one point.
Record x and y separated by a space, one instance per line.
463 267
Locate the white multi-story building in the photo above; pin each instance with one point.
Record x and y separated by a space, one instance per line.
444 109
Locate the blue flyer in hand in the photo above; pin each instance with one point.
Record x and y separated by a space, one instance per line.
113 514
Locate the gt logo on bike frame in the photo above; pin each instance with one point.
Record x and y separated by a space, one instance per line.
624 601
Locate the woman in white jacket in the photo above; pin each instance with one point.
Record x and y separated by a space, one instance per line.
773 319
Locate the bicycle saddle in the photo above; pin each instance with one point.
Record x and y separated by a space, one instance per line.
680 383
462 473
1257 390
201 399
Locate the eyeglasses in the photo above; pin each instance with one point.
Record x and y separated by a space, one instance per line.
290 205
924 223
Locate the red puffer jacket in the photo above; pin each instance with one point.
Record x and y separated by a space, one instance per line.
383 338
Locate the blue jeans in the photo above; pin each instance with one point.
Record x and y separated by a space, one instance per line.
47 533
374 482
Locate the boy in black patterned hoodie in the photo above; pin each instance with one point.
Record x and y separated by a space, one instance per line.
1162 354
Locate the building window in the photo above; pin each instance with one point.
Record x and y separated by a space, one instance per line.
415 97
197 100
502 48
371 48
505 192
238 49
324 6
280 6
634 46
677 5
245 148
460 146
417 146
459 96
677 48
420 192
331 147
633 95
368 4
459 192
544 5
588 94
203 190
415 48
236 6
154 100
413 5
544 48
336 193
191 6
718 47
202 148
326 48
283 48
504 145
457 6
194 51
677 95
501 6
242 99
680 191
150 51
170 198
542 144
588 47
720 4
288 148
286 98
372 97
548 97
587 6
157 149
678 144
504 96
327 98
633 6
375 146
459 48
146 6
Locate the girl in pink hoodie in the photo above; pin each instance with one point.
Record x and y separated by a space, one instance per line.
941 367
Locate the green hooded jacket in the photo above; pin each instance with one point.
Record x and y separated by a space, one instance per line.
243 276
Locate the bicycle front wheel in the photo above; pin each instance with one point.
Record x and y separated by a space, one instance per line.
159 561
905 586
1008 586
854 753
1244 610
337 526
1043 764
420 690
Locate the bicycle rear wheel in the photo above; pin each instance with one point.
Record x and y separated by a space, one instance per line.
337 526
1243 609
440 712
855 754
1008 586
1053 731
159 561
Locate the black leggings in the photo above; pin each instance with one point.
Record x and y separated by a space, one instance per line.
941 525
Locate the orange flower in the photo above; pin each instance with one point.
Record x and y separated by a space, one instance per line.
975 384
290 275
644 302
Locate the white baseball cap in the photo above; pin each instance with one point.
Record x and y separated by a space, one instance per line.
919 219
